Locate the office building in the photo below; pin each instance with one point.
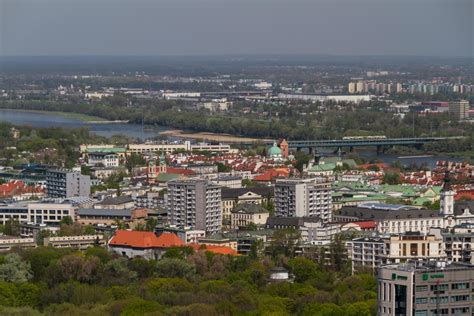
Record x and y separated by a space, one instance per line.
195 204
459 109
61 183
423 289
305 197
36 213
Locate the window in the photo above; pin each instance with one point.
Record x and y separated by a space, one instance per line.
421 288
459 286
459 298
421 300
442 300
441 287
459 310
421 313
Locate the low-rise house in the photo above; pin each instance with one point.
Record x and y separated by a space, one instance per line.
143 244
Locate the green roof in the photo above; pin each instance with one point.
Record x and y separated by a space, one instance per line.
323 167
165 177
107 150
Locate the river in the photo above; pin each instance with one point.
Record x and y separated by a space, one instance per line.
44 119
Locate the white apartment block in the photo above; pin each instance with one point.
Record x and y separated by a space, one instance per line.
195 204
305 197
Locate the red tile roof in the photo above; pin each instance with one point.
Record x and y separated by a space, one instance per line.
140 239
220 250
366 225
186 172
467 194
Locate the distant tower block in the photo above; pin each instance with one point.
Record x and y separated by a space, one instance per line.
284 148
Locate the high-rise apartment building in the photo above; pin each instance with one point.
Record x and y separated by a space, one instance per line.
460 109
305 197
424 289
195 204
62 183
351 87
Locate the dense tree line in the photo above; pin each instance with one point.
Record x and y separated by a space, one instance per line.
184 282
51 145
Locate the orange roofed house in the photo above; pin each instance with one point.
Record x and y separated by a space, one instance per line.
143 244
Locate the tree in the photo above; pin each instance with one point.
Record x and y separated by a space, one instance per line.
14 269
66 220
175 268
150 224
284 242
392 178
12 227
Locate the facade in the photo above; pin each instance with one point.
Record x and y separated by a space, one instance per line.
460 109
248 213
104 159
195 204
233 182
62 183
76 242
149 148
7 244
142 244
36 213
232 197
459 243
213 148
92 216
116 203
366 253
422 289
303 197
413 246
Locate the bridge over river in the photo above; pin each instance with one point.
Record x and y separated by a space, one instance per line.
380 143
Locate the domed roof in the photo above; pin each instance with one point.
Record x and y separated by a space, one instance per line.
274 151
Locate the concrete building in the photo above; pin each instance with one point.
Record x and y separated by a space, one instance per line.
233 182
305 197
92 216
232 197
213 148
7 243
413 246
460 109
164 147
36 213
103 159
77 242
423 289
61 183
195 204
459 243
116 203
248 213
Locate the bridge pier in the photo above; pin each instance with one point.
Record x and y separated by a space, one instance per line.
310 150
351 149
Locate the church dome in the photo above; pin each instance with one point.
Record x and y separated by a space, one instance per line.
274 151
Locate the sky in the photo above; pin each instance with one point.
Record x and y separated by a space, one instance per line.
236 27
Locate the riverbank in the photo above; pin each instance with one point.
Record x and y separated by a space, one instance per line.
210 136
69 115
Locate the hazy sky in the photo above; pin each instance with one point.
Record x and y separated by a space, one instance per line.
209 27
